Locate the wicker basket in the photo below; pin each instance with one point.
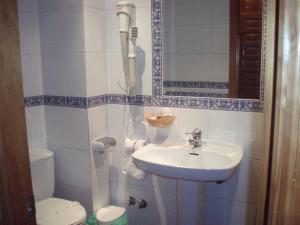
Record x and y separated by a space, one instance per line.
159 120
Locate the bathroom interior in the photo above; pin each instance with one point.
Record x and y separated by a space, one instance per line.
159 112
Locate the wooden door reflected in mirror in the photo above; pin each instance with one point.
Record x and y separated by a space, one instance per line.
245 48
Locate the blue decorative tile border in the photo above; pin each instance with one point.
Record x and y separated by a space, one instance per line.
196 94
145 100
195 84
157 98
200 102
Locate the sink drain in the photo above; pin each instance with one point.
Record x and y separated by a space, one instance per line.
192 153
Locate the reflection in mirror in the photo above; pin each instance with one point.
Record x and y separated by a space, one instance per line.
212 48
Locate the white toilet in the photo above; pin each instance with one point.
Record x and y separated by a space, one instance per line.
51 211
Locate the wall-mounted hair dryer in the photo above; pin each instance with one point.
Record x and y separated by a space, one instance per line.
128 32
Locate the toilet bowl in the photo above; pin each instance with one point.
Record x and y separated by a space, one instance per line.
49 210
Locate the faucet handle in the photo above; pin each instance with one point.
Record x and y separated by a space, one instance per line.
197 133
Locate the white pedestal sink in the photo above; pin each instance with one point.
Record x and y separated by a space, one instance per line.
192 167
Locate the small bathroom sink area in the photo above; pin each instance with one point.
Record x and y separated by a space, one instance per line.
211 162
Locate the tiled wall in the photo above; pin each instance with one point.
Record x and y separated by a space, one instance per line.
234 202
115 75
53 63
81 57
32 70
196 37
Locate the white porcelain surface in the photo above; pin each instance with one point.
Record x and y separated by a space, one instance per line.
42 172
213 161
35 124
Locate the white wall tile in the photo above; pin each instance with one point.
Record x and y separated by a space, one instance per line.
67 127
98 122
97 4
143 79
116 165
244 214
169 10
29 33
202 67
242 187
220 38
189 119
185 67
100 166
169 40
32 74
220 18
170 66
202 18
202 5
223 212
118 193
223 126
115 73
111 4
185 42
57 5
219 67
94 30
183 12
96 74
202 39
251 134
64 74
112 32
219 212
220 5
28 6
35 124
72 166
143 22
62 31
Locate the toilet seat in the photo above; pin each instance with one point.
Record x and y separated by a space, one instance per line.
55 211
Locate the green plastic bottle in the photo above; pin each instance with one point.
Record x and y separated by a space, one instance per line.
122 220
92 220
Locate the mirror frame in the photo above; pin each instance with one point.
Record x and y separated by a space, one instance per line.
229 104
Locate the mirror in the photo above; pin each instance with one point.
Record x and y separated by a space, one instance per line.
212 48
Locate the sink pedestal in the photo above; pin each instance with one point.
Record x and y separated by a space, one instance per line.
191 202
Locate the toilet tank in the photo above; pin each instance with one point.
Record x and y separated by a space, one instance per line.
42 173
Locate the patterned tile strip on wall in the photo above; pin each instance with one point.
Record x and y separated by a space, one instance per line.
196 84
145 100
158 99
196 94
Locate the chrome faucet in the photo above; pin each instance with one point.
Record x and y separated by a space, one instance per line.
196 139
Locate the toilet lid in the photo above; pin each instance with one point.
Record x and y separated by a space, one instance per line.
109 213
59 212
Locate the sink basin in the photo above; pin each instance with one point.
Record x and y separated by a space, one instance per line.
213 161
